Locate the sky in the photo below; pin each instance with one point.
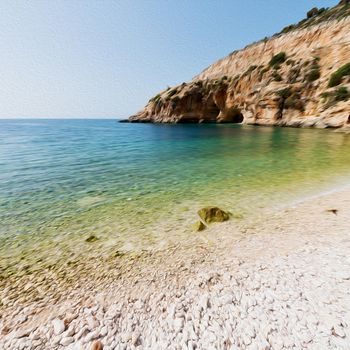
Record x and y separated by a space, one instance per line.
106 59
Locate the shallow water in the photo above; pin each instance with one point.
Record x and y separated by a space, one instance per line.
141 184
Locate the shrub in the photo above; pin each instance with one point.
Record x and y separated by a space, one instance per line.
332 97
338 75
341 94
284 93
293 75
290 99
288 28
249 70
313 75
316 16
172 92
294 102
325 95
315 12
277 76
312 13
278 59
155 99
315 64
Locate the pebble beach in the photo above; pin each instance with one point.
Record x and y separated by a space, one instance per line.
276 282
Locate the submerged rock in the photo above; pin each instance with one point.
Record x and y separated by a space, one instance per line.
91 239
213 214
198 226
118 254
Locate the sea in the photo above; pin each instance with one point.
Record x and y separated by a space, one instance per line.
68 184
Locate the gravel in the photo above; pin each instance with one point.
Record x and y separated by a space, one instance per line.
285 288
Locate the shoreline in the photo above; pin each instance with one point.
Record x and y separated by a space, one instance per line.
341 187
46 253
258 169
179 275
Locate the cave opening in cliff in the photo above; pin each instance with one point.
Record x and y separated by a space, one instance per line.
212 113
235 116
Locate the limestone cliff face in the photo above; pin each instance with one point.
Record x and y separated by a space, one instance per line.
298 78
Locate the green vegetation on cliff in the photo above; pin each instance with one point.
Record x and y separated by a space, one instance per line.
333 97
317 16
338 75
277 59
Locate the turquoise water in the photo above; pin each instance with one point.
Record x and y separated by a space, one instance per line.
140 184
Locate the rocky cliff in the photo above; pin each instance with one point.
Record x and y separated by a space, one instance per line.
299 77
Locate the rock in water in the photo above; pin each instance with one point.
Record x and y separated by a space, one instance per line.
213 214
91 239
198 226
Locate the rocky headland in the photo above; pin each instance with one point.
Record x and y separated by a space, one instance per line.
298 77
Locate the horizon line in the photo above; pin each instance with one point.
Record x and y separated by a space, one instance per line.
61 118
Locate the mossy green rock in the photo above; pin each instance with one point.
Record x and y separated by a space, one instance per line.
198 226
213 214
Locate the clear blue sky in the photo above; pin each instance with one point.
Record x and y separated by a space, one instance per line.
105 59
